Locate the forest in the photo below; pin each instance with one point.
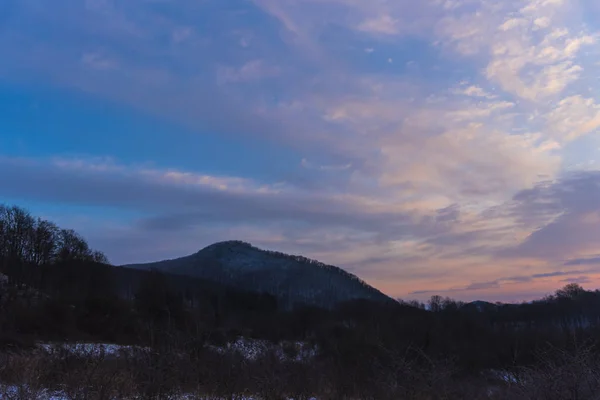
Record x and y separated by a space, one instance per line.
55 289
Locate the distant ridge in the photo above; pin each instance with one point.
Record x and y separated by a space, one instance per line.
292 279
481 305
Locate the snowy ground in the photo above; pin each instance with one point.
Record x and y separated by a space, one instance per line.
93 349
505 376
16 393
250 349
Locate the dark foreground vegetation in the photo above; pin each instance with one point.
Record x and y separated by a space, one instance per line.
53 288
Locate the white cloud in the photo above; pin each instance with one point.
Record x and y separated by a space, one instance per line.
540 6
479 111
471 164
532 58
169 176
573 117
309 165
383 24
474 91
514 23
542 22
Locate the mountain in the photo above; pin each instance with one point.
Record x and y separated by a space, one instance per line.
292 279
480 305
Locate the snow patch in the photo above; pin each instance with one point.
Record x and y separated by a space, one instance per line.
85 349
505 376
24 392
252 349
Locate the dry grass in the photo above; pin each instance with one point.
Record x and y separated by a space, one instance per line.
205 374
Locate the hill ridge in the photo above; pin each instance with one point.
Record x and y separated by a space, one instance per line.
292 279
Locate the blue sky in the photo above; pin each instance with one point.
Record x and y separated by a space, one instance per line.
440 146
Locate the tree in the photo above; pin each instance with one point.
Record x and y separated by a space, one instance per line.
72 246
17 230
27 240
570 291
436 303
156 301
45 242
99 257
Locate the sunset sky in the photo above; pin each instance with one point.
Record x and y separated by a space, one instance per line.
430 147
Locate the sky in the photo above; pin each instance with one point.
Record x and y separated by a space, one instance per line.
431 147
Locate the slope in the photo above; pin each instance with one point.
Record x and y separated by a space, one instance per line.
292 279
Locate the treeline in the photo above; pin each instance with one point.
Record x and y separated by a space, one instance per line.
25 239
53 286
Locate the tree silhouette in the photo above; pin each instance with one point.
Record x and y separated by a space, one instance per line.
35 241
570 291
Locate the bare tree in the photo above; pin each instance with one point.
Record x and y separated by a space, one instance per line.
45 241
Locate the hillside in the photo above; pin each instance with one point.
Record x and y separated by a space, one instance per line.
292 279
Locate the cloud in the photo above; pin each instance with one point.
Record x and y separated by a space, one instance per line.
475 91
583 261
569 213
307 164
384 24
514 280
578 280
554 274
98 61
529 51
452 174
176 200
251 71
573 117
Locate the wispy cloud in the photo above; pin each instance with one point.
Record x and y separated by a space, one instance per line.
584 261
514 280
579 280
98 61
383 24
251 71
